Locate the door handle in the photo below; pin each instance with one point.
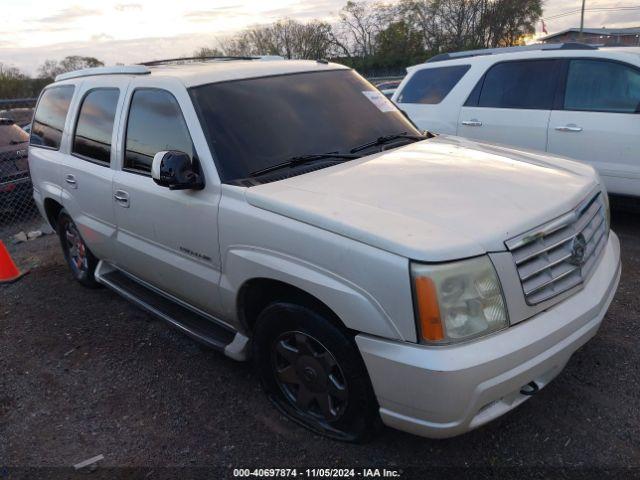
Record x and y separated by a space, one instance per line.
472 123
71 180
569 128
122 198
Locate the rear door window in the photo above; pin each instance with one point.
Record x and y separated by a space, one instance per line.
92 139
520 85
155 124
50 117
430 86
602 86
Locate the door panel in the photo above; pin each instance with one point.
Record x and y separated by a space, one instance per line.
86 172
610 142
522 128
599 122
87 197
512 103
168 238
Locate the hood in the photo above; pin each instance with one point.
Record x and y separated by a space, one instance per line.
440 199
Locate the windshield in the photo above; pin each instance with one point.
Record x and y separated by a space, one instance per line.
257 123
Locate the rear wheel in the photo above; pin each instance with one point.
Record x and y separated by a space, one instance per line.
81 261
312 371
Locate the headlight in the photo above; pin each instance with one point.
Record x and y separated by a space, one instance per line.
457 301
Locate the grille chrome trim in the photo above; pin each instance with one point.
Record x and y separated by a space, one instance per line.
560 255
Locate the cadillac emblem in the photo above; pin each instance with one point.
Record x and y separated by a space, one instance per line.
578 249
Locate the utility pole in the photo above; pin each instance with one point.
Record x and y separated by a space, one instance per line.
582 21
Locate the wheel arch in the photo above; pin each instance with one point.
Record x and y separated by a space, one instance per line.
52 209
254 278
257 293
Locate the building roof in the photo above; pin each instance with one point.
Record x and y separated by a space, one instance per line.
596 31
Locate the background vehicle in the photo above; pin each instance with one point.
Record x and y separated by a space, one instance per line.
15 183
372 272
573 100
388 88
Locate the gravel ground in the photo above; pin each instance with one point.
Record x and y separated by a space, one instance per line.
85 373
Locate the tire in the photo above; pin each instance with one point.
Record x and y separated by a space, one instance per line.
313 372
79 258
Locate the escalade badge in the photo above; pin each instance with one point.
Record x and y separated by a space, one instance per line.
578 248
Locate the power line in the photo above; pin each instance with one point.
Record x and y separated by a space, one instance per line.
593 9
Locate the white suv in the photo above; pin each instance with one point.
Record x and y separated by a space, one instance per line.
573 100
288 211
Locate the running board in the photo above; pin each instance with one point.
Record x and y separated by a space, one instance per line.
197 325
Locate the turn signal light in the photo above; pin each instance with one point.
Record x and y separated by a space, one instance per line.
428 309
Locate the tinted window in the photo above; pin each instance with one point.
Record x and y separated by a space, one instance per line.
431 85
528 85
602 86
155 124
257 123
48 122
95 125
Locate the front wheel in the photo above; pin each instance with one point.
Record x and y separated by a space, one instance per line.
312 371
81 261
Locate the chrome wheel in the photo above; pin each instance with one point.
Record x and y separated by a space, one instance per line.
309 376
78 259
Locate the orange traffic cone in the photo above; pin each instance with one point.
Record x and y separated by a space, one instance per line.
8 270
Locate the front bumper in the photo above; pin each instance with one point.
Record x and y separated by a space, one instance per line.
444 391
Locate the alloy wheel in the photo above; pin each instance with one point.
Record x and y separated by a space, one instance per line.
77 249
309 376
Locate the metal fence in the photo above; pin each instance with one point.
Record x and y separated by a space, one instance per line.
16 192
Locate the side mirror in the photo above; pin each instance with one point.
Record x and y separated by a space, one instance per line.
175 170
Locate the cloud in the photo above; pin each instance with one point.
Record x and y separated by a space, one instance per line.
101 37
307 10
69 15
213 13
127 7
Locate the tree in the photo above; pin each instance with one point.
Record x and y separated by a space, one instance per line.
449 25
398 46
52 68
359 25
507 22
203 52
287 38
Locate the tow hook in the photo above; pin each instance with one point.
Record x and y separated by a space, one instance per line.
529 389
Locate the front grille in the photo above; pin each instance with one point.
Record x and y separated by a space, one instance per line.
559 255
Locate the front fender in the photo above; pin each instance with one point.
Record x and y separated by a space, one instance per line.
357 309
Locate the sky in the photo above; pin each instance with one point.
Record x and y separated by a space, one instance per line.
129 31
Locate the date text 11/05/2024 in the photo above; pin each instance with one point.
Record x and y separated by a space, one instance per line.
318 473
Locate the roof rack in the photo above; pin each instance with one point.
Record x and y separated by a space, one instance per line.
215 57
525 48
119 70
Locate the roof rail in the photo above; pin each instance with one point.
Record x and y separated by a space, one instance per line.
154 63
119 70
525 48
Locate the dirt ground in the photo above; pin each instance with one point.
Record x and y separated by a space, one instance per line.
85 373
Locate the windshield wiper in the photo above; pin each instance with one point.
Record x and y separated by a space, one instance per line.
387 139
302 159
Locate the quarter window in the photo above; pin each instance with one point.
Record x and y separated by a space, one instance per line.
431 85
155 124
50 117
521 85
94 129
602 86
